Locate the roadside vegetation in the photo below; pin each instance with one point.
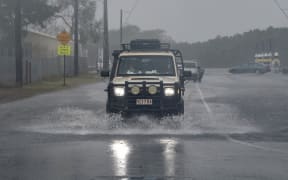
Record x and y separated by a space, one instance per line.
220 52
45 86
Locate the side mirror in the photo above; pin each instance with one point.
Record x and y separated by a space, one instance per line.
105 73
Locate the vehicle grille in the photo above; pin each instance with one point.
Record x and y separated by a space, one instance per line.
159 100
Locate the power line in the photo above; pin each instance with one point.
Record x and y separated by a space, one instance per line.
281 9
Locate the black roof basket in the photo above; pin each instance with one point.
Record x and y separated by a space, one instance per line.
146 45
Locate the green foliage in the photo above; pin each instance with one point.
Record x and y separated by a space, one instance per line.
89 27
220 52
33 12
132 32
237 49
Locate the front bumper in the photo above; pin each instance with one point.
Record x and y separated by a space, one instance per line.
158 106
160 102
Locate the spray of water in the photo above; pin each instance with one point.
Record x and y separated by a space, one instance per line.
71 120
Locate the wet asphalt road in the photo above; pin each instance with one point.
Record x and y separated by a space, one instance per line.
234 127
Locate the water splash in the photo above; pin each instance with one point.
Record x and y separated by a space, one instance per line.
71 120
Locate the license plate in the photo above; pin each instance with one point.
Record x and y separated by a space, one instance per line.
144 102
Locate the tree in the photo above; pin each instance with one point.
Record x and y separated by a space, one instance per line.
89 27
131 32
33 11
237 49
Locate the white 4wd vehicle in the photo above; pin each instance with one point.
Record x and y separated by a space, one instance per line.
146 77
192 66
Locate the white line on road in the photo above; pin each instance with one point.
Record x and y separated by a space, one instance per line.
255 146
209 110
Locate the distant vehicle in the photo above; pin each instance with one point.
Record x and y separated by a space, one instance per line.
201 72
284 70
249 68
192 66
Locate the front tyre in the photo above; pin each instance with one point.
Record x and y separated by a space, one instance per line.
108 108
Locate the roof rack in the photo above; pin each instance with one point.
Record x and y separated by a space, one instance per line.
146 45
150 45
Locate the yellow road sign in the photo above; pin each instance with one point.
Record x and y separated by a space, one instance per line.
64 50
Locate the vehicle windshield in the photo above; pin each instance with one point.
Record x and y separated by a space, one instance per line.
146 66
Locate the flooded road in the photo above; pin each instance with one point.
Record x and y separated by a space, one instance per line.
234 127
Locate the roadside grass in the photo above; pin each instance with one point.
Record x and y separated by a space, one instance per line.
45 86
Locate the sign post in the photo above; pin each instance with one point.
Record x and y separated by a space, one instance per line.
64 71
64 49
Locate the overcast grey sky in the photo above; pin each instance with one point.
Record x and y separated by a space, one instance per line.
199 20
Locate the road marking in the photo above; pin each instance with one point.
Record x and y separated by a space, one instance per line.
208 109
229 138
255 146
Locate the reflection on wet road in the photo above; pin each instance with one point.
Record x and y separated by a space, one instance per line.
120 151
169 154
234 127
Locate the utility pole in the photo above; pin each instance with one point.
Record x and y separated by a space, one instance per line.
106 39
121 26
263 46
270 46
76 38
18 44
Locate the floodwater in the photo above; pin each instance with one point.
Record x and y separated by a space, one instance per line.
234 127
198 120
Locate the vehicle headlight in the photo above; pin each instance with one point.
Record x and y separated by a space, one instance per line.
135 90
169 91
152 90
119 91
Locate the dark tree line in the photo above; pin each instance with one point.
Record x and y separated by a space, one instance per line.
131 32
218 52
33 12
40 14
221 51
238 49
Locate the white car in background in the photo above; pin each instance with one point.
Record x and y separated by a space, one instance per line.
192 66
